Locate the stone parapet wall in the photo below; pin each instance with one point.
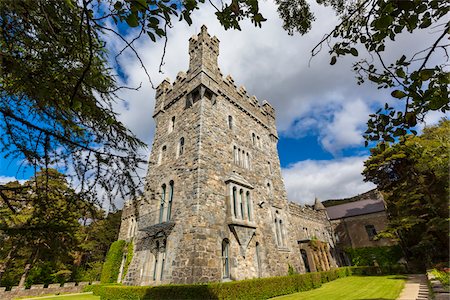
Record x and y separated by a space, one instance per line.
40 290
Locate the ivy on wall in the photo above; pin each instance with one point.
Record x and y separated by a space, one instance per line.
128 260
367 256
111 267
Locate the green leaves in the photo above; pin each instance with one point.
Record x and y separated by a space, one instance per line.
398 94
413 176
132 20
333 60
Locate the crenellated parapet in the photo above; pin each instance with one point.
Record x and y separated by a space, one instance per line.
307 212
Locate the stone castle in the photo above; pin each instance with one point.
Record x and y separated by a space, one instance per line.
215 207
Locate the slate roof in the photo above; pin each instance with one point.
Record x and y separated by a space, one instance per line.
356 208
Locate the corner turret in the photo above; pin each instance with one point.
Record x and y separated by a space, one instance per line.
203 52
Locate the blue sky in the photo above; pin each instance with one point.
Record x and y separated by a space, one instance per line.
321 111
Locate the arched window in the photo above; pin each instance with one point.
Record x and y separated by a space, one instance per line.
277 233
225 262
253 138
269 188
181 147
156 261
162 154
163 198
235 154
230 122
269 166
249 208
281 233
259 142
235 202
248 161
169 206
162 261
241 203
239 156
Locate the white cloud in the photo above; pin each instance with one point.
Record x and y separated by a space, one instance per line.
325 179
309 97
346 128
6 179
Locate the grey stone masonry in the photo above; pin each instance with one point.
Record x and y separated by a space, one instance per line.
215 207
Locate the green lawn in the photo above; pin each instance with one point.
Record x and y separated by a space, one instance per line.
353 288
83 296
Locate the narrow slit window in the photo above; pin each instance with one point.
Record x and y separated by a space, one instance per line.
241 203
235 202
249 207
172 124
156 261
230 122
181 147
161 209
169 206
225 262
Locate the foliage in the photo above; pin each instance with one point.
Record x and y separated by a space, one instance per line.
413 176
53 231
111 267
39 227
384 255
58 94
291 270
260 288
128 259
442 276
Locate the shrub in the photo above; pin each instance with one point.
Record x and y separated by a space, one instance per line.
260 288
111 267
442 276
384 256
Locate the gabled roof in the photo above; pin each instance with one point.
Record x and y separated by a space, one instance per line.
355 208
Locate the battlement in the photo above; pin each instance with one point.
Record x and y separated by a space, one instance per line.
307 212
203 52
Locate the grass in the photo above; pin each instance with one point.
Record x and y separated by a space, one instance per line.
354 288
82 296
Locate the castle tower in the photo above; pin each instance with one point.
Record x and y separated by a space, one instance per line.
214 207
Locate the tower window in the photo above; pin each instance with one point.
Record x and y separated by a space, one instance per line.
371 232
169 206
234 202
181 147
253 138
172 124
249 208
230 122
161 209
225 261
241 203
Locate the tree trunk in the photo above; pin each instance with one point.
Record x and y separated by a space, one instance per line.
28 267
5 264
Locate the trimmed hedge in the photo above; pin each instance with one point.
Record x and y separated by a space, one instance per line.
260 288
111 267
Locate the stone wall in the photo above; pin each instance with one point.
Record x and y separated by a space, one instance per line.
351 231
39 290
